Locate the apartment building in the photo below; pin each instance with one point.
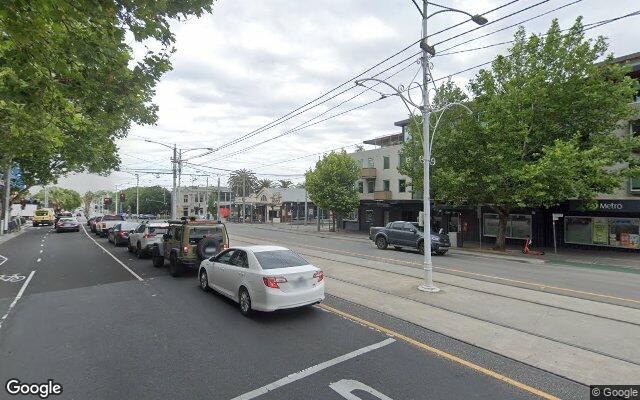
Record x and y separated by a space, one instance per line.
193 201
385 194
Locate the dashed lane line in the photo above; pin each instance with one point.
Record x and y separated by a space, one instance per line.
18 296
311 370
438 352
112 256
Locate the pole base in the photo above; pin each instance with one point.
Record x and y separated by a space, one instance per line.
428 289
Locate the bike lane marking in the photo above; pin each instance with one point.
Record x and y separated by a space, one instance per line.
18 296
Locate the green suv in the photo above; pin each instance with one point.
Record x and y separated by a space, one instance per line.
187 243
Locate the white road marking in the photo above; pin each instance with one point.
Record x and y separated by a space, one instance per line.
18 296
311 370
345 388
3 259
39 259
41 251
41 244
112 256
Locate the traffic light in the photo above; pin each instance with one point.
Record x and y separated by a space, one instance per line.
121 197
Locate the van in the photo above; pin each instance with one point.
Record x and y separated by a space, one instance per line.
43 216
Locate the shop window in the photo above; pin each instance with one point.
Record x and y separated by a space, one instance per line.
634 185
370 163
518 226
402 185
361 187
368 216
371 186
385 185
578 230
385 162
623 232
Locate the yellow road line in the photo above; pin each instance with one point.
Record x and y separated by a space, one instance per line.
440 353
395 260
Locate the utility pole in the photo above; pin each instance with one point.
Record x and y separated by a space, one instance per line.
46 197
244 182
306 210
174 195
138 196
7 198
218 202
318 212
116 196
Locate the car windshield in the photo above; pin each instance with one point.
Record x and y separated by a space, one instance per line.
197 233
41 213
158 230
67 219
279 259
127 226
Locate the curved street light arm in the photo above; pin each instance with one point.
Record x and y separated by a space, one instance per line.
441 110
407 102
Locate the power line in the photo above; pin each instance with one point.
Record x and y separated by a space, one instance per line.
283 118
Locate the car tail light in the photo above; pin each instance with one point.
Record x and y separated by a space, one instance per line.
226 246
185 249
319 275
148 235
121 233
272 281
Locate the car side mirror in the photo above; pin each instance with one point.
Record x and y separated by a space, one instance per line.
132 231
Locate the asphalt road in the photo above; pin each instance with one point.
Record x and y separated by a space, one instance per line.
610 286
115 327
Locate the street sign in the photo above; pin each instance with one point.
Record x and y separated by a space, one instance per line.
557 216
421 218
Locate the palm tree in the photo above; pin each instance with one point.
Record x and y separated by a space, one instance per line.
242 182
264 183
285 183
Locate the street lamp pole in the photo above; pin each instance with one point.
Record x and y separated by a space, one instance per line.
427 264
137 196
174 195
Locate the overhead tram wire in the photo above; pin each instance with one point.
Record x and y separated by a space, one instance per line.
283 118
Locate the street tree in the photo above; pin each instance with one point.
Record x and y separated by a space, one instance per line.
152 199
542 129
331 185
60 199
264 183
70 85
283 183
87 198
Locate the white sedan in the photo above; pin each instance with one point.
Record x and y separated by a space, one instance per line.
263 278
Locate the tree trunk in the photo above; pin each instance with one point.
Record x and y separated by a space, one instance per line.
333 218
503 216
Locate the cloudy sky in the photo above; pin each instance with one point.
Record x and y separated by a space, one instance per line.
251 62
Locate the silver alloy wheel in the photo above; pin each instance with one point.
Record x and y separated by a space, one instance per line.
203 280
244 301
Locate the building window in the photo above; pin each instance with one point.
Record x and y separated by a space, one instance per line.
402 185
385 185
370 163
361 162
185 211
185 198
371 186
635 185
603 231
368 216
518 226
361 187
385 162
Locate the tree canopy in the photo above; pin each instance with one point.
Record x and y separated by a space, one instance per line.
331 185
542 129
153 200
243 182
60 199
70 84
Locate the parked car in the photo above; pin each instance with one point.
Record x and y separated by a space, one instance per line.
119 233
43 216
67 224
263 278
187 243
106 222
401 234
63 214
147 234
94 224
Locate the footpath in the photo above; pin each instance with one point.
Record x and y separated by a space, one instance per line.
578 257
587 341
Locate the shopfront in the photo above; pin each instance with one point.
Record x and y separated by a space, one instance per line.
615 223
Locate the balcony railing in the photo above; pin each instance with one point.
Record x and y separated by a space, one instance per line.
382 195
368 173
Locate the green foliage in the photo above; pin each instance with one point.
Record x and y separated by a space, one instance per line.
243 182
69 83
283 183
542 129
212 205
60 199
331 185
264 183
153 200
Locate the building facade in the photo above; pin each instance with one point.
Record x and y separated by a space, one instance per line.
276 205
192 201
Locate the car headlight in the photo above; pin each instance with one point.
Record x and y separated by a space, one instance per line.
434 237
